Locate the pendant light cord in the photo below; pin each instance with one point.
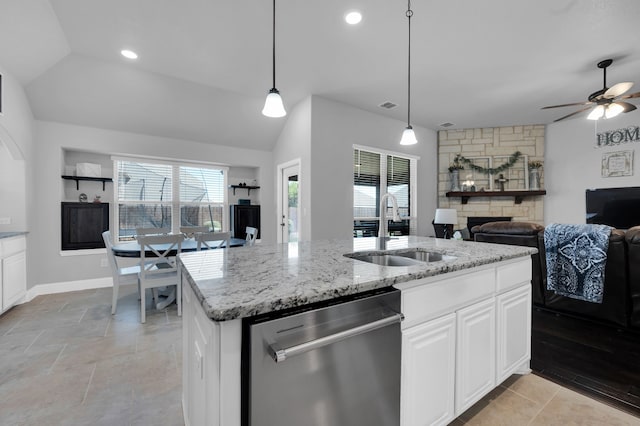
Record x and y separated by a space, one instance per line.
274 44
409 15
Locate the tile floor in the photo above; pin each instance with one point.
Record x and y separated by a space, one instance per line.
65 360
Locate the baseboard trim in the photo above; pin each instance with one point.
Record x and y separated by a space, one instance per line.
64 287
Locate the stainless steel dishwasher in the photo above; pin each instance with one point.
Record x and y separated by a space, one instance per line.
336 365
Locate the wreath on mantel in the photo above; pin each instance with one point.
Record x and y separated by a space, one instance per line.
513 158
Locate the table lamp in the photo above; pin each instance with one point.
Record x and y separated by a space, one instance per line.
448 218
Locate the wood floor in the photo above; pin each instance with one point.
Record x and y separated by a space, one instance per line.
595 359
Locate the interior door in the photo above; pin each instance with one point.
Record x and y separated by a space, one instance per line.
290 204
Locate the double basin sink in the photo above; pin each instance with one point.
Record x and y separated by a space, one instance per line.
410 257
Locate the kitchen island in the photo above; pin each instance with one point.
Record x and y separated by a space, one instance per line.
474 301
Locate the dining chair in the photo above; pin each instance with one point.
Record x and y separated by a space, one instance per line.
152 231
211 240
121 275
252 233
192 231
162 269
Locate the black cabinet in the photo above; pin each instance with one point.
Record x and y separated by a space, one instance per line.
243 216
83 225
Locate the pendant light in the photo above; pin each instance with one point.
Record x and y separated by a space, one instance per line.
408 135
273 106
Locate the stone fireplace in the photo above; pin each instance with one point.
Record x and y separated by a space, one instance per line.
496 143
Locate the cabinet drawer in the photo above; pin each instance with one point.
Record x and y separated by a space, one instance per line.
513 274
441 297
9 246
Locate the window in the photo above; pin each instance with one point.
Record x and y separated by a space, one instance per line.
151 194
374 174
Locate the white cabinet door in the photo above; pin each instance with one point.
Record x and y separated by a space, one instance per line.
475 354
428 373
187 361
14 279
513 310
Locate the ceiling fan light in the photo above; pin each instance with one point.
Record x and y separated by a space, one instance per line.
408 136
597 113
613 110
273 106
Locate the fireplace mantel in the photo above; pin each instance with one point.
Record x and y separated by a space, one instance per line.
519 195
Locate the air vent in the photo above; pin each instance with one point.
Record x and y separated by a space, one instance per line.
446 125
388 105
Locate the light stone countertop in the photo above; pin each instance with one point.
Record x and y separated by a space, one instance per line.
246 281
12 234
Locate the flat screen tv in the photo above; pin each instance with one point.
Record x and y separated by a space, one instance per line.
617 207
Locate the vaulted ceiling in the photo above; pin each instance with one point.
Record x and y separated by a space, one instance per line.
204 66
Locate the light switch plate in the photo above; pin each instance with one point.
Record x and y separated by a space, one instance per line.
5 220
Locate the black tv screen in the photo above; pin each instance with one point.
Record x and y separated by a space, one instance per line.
617 207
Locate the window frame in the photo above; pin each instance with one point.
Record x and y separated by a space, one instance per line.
175 203
413 184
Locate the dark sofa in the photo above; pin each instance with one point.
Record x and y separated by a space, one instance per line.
621 299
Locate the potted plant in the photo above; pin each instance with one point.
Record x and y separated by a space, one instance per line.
534 174
454 170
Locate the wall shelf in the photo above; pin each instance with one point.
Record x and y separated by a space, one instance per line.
519 195
92 179
248 188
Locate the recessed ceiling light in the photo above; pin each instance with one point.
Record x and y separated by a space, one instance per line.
353 18
129 54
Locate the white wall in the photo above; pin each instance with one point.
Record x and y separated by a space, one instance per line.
16 141
53 138
573 164
293 143
335 128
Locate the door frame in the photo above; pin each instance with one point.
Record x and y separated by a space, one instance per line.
279 195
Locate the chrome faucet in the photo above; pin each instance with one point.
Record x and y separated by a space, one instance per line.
382 227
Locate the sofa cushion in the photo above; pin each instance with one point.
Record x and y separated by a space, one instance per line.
520 228
633 245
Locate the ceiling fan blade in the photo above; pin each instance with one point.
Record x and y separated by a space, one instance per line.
626 105
566 105
632 95
573 113
617 90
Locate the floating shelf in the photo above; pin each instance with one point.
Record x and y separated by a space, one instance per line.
248 188
519 195
93 179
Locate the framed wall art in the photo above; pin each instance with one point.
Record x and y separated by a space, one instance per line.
619 163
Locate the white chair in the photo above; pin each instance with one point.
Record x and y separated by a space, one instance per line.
159 269
212 240
192 231
121 276
252 234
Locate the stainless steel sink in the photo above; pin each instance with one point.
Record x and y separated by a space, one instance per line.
385 259
425 256
409 257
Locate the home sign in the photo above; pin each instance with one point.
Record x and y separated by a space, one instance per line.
617 137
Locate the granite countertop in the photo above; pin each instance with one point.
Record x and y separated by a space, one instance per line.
246 281
12 234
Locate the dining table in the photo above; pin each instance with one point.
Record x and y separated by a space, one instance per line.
132 249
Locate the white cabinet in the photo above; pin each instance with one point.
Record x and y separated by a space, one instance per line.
476 354
513 310
428 372
463 334
13 270
210 365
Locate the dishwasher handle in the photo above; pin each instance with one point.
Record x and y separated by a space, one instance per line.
280 355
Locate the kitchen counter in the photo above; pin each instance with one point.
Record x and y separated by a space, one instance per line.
247 281
12 234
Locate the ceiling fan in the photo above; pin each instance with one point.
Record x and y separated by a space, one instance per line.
606 102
